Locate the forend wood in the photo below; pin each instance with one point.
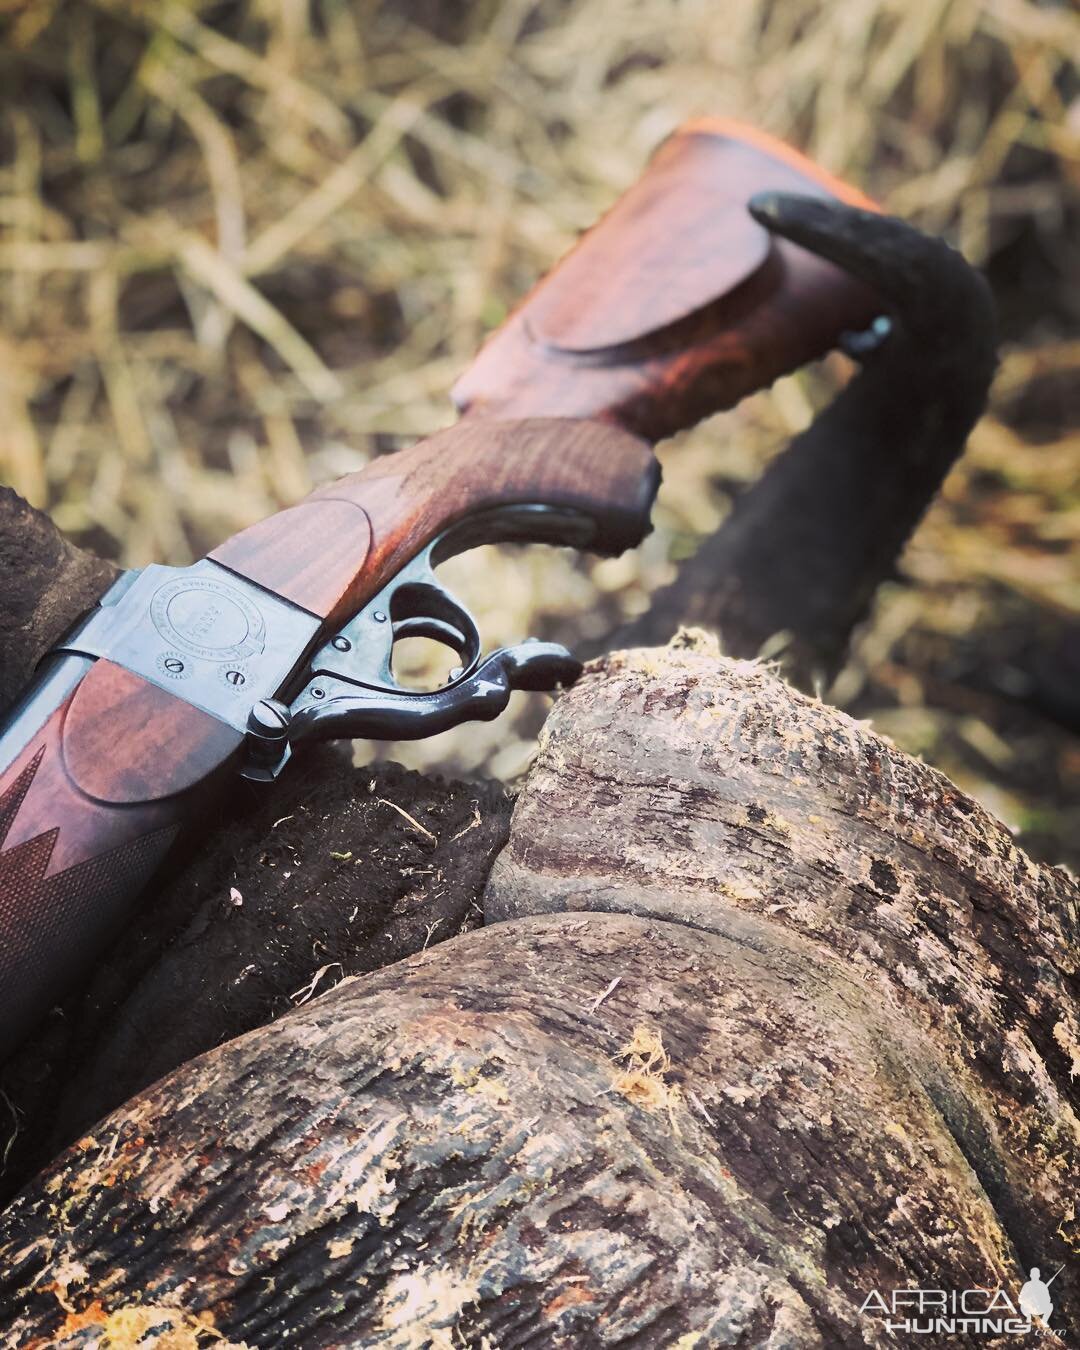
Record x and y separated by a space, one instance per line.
334 550
87 811
676 304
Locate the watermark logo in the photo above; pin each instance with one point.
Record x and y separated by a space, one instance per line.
1035 1300
959 1312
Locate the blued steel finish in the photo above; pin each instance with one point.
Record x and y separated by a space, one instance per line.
172 684
184 676
347 709
228 647
415 604
351 691
201 633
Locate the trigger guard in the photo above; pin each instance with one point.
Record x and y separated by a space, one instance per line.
414 604
422 608
437 630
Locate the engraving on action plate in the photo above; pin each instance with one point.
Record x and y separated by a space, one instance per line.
208 618
213 639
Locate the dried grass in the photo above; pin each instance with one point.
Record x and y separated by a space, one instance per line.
246 246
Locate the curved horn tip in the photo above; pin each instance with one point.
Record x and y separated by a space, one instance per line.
782 212
935 291
765 206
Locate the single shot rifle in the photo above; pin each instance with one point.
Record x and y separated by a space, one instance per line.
677 304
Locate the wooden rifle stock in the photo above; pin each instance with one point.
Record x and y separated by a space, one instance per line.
676 304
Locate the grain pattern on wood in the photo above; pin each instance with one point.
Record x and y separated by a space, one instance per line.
334 869
87 811
676 304
126 742
680 238
69 866
339 546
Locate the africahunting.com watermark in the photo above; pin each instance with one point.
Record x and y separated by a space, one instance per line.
960 1312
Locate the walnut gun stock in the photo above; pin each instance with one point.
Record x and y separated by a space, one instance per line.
678 303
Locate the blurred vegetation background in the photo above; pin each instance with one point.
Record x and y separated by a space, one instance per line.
245 246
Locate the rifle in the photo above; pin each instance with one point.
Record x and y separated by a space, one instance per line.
674 306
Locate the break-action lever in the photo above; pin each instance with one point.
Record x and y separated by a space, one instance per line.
351 692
